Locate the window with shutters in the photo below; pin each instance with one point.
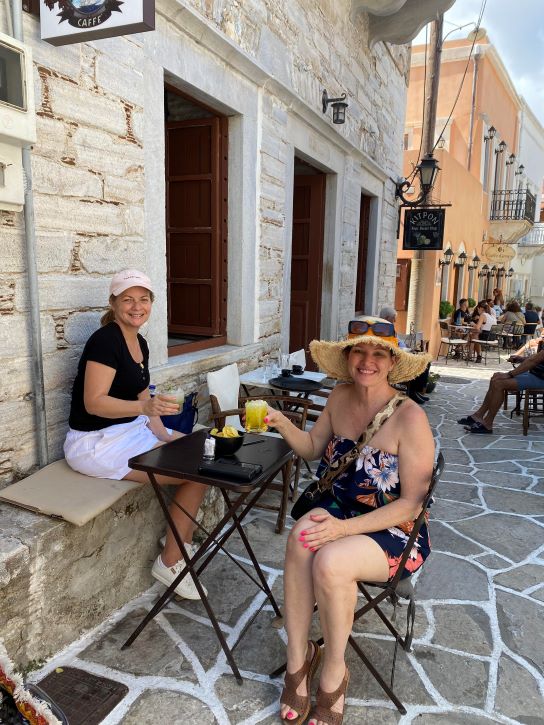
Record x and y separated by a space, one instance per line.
196 224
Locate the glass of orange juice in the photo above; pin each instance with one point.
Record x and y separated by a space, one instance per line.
256 411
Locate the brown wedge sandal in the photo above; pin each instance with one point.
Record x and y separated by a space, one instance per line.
300 703
325 701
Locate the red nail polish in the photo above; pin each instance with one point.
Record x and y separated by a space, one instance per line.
305 546
312 549
303 533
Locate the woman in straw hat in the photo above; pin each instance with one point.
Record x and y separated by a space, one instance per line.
113 417
362 523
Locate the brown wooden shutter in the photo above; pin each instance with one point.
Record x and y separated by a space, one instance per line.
402 284
364 221
196 226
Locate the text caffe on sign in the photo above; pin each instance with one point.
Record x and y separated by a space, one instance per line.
75 21
423 229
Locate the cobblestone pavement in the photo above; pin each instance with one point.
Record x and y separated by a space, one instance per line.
479 641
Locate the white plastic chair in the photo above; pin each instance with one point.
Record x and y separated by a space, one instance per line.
224 385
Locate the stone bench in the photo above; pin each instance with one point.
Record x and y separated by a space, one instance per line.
58 580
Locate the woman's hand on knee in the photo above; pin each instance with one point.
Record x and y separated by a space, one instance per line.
326 528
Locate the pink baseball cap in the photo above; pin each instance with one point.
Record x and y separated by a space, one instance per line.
129 278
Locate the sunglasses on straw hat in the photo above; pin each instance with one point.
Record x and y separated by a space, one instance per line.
380 329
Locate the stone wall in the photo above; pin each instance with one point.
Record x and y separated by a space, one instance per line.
99 182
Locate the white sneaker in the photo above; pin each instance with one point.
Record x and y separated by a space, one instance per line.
166 574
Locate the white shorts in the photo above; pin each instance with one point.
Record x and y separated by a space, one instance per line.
105 453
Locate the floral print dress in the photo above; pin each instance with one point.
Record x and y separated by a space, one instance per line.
370 482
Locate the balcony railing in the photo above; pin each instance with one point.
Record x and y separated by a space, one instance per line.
513 206
534 238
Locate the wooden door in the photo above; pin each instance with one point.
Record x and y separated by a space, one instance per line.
402 286
455 286
195 236
364 222
307 260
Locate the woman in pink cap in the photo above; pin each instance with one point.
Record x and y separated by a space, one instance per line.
113 417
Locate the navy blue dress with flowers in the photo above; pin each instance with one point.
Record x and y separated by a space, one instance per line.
370 482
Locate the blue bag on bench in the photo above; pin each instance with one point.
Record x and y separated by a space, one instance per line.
186 418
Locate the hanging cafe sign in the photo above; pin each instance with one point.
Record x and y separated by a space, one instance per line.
76 21
498 253
423 229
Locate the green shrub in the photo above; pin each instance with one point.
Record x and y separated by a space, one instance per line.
446 309
471 302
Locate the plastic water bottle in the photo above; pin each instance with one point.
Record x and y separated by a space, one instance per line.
152 389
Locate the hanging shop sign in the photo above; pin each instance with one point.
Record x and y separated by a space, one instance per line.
423 229
498 253
76 21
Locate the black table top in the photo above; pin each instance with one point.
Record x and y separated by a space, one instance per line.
181 459
295 384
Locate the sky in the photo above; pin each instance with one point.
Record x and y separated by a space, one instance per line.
516 29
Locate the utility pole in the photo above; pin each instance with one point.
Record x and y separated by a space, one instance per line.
416 292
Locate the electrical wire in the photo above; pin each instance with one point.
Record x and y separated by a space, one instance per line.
476 29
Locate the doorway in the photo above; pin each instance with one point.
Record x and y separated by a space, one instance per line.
364 224
196 223
307 256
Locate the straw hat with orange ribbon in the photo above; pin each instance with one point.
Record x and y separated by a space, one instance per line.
366 330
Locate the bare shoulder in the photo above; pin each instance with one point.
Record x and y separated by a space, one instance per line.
412 414
340 393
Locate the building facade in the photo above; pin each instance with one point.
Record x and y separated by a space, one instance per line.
489 173
200 153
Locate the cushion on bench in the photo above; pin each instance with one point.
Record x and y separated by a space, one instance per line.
60 492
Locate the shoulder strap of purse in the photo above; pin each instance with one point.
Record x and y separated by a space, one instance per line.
339 466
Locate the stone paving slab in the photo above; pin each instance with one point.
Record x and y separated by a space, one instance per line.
479 645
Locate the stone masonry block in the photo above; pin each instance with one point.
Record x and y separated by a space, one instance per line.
67 292
121 80
15 382
105 153
79 326
71 214
54 250
12 258
52 137
86 108
130 190
107 255
50 177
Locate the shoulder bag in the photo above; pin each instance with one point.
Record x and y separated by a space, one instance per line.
311 496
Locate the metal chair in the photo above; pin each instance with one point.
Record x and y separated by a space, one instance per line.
458 344
392 590
491 343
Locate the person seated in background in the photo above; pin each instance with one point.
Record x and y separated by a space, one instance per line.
488 320
461 314
513 314
416 387
532 320
528 374
533 345
477 321
498 302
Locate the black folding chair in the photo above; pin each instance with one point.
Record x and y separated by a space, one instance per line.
392 590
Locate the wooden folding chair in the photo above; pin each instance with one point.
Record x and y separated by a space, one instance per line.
392 590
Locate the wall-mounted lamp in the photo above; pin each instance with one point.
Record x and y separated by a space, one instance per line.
427 170
475 262
339 106
500 148
484 270
510 272
448 254
441 142
490 133
492 272
461 260
521 169
511 159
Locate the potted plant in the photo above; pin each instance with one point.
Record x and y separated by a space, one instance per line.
471 302
446 310
431 383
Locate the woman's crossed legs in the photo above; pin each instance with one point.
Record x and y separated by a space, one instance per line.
329 577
